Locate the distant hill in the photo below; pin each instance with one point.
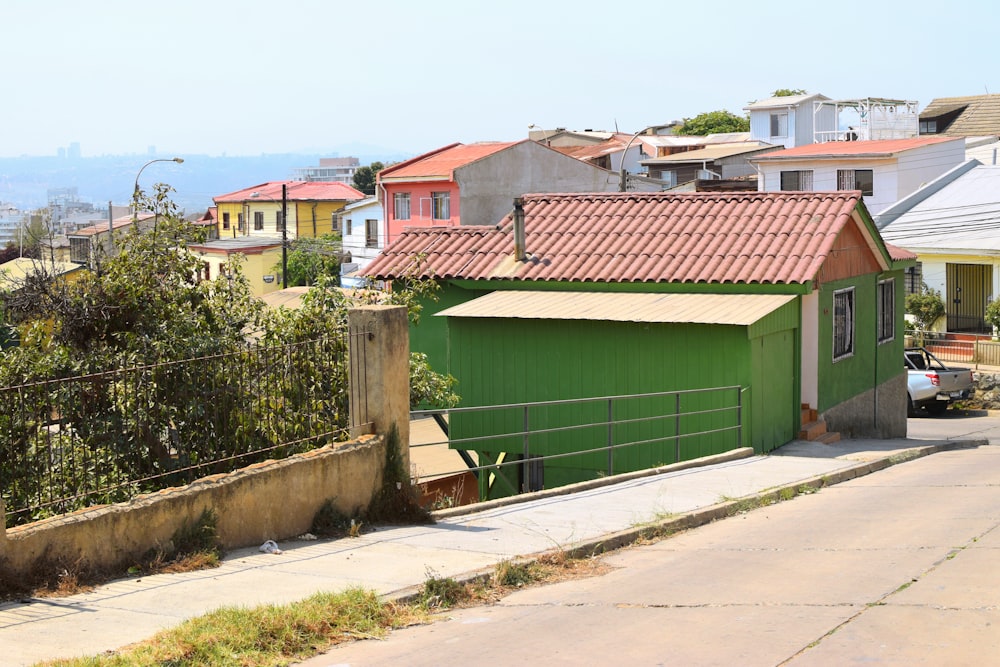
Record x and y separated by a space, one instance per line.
24 181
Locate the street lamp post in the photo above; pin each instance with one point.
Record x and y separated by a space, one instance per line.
623 176
136 191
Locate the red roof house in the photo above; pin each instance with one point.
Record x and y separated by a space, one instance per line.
839 325
473 184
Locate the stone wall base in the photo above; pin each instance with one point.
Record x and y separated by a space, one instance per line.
876 413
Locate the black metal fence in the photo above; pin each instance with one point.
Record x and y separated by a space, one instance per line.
970 349
106 437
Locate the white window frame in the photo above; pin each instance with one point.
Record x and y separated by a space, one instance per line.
844 305
401 205
440 206
371 233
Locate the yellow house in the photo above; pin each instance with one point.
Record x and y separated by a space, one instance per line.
311 208
258 255
14 272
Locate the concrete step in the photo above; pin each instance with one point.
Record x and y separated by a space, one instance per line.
829 438
812 430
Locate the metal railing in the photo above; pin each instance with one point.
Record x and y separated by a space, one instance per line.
978 350
106 437
658 428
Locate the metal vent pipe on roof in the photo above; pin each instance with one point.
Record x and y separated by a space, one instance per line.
520 254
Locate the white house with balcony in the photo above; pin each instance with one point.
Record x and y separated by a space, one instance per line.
362 231
797 120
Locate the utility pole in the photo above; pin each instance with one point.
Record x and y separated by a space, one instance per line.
284 235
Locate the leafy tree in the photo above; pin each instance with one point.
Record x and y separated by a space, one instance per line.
144 305
926 307
788 92
364 177
31 233
324 312
712 122
310 258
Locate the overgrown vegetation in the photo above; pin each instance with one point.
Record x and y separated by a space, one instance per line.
283 634
144 307
194 546
396 501
265 635
309 258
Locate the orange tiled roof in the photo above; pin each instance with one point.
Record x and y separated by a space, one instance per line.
732 237
898 254
442 162
294 191
839 149
116 224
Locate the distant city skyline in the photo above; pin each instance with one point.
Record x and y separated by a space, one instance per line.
251 78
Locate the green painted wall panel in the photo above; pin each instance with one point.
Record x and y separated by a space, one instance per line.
772 403
512 361
871 364
430 336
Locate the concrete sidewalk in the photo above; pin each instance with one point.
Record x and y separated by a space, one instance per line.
394 560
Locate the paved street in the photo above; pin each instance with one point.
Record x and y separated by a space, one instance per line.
894 568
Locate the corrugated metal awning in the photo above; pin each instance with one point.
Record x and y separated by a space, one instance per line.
736 309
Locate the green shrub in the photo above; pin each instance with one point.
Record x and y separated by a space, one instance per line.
926 306
992 316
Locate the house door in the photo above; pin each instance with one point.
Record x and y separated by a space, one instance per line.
969 289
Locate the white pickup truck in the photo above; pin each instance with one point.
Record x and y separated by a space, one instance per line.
933 386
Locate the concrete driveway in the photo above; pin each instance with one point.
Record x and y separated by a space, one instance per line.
956 425
894 568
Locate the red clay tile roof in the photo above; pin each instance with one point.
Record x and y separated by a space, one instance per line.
441 163
116 224
732 237
839 149
294 191
898 254
612 145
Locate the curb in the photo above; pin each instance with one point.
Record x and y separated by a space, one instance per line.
725 457
693 519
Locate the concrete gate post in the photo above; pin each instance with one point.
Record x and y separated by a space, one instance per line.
380 373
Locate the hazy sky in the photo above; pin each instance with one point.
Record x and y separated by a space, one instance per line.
250 77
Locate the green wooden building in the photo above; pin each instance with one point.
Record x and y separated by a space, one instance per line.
792 298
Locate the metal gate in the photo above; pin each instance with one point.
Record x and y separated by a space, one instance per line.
969 288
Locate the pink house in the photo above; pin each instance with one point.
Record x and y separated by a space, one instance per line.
475 184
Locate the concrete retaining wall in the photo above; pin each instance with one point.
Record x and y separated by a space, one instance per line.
270 500
273 500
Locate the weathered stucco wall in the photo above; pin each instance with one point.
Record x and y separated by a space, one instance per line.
270 500
876 413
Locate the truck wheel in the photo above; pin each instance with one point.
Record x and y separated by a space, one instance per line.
936 407
910 410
